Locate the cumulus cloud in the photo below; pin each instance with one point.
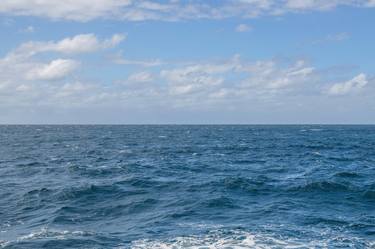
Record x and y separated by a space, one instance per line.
54 70
197 78
236 78
30 80
21 64
79 10
27 79
83 43
274 76
351 86
85 10
197 83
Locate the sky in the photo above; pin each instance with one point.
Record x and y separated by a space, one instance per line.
187 62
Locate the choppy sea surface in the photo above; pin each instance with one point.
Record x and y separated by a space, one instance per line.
302 186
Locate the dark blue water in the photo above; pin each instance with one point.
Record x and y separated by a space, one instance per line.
187 186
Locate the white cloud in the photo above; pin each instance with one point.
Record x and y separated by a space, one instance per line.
351 86
140 77
56 69
79 10
20 62
75 88
85 10
30 80
237 78
243 28
273 76
313 4
83 43
196 78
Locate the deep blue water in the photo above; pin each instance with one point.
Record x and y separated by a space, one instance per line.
187 186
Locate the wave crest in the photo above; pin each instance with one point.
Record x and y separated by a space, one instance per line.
242 240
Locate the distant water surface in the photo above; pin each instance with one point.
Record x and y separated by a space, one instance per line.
187 186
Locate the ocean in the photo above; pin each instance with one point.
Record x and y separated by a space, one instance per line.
187 186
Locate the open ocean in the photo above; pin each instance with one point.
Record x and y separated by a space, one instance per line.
172 186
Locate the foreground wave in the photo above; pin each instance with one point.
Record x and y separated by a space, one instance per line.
214 239
241 239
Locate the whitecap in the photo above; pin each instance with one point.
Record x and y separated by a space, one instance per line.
242 240
219 154
125 151
210 241
315 129
45 233
3 243
54 159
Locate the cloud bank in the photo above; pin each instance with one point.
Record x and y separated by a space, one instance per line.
27 80
142 10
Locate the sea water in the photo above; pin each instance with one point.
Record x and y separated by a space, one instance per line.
172 186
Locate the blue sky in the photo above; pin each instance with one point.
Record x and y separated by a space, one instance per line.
244 61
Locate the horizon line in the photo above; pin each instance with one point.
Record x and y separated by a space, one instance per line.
179 124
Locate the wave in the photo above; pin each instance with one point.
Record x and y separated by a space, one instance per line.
234 184
91 191
346 174
369 194
242 240
325 186
220 202
246 184
45 234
